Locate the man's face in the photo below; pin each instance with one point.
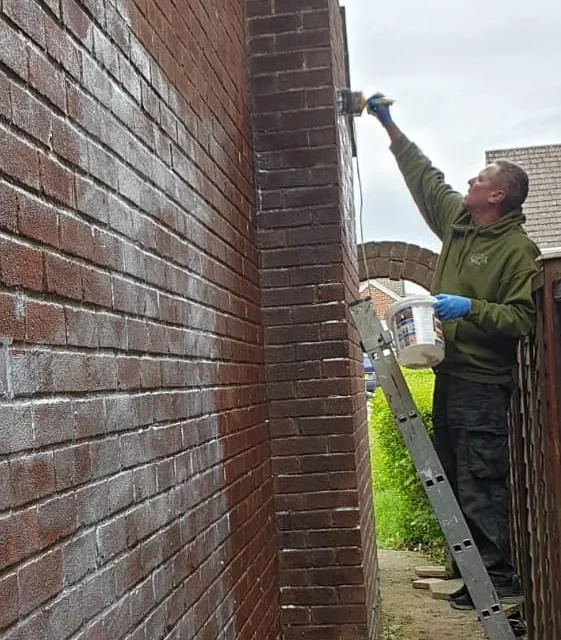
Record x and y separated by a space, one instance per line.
483 190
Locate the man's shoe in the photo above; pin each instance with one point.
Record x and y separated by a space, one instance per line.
510 593
461 600
507 594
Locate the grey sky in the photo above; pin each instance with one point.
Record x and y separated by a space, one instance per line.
467 76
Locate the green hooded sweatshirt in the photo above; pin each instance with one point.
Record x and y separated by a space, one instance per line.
492 264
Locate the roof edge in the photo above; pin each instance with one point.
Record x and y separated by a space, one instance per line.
532 146
380 287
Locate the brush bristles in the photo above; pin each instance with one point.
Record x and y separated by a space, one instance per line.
353 103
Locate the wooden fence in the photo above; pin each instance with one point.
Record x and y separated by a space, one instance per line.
536 459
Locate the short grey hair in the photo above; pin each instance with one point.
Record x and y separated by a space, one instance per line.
515 183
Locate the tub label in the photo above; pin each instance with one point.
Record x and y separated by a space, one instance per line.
417 325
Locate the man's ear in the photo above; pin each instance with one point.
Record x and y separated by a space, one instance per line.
497 197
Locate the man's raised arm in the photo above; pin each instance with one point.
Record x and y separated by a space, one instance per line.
438 203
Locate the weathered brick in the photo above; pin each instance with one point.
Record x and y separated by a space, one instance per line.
317 19
9 598
12 318
90 419
112 331
12 535
77 21
91 199
56 519
57 182
95 630
36 478
104 50
118 620
8 208
30 114
46 78
29 16
92 503
54 423
129 372
129 79
33 627
112 538
275 24
60 45
128 571
19 159
21 265
5 486
103 166
72 466
81 328
69 143
13 51
37 221
267 64
96 287
101 372
98 592
259 8
302 40
62 276
79 557
39 581
31 371
291 6
105 457
45 323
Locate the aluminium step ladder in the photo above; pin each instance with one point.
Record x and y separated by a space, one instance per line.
377 342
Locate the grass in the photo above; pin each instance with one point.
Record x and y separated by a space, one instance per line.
390 629
404 517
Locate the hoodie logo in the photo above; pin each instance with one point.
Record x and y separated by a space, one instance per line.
478 259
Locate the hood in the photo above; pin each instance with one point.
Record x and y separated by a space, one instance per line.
512 220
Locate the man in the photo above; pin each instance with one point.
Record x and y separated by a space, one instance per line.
483 284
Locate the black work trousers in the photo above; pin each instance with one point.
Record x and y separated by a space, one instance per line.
471 439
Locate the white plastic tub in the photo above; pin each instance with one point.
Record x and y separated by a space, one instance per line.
417 332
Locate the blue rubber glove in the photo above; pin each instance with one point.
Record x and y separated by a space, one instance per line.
381 111
450 307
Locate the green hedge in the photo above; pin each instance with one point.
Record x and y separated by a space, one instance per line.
404 517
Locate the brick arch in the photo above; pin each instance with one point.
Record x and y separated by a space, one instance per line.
398 261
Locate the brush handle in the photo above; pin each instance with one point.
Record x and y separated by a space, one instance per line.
383 101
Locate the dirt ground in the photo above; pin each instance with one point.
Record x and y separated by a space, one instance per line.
412 614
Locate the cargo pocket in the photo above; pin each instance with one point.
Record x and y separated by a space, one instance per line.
488 456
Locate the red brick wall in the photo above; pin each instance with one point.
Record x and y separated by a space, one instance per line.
380 301
135 481
317 410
